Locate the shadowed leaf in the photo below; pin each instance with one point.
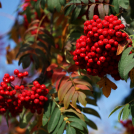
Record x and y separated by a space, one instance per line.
91 11
101 11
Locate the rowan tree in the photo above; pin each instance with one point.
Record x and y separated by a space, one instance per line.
74 45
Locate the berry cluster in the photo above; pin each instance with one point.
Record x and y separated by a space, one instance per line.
96 52
15 97
128 125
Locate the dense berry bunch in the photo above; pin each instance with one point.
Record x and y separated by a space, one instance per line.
15 97
96 52
128 125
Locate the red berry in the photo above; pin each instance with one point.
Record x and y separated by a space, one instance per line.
94 24
35 82
95 17
17 87
105 41
98 50
7 80
105 33
82 55
102 59
118 34
43 87
21 87
25 73
94 29
16 71
6 75
11 78
20 75
36 101
99 26
108 47
111 41
98 63
100 43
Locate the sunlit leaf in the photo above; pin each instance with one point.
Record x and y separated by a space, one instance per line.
126 112
101 11
91 11
82 98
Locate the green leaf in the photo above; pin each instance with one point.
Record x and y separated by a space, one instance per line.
91 111
76 12
115 110
28 14
126 112
85 1
36 61
54 120
51 5
91 101
82 98
124 3
132 109
69 9
90 123
62 2
92 1
44 120
76 125
128 69
47 108
70 130
133 121
7 115
53 106
57 5
91 11
61 130
116 6
24 121
78 121
59 125
120 113
40 53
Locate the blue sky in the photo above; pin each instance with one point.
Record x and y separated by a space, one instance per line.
105 105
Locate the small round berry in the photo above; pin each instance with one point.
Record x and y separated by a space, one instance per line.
21 87
9 88
25 73
6 75
101 37
111 26
94 24
32 97
105 33
118 34
99 31
98 50
100 43
86 58
20 75
115 43
83 44
95 17
108 47
105 41
116 28
100 26
27 98
42 87
36 101
118 22
11 78
41 98
99 63
35 82
98 20
36 95
102 59
38 90
7 80
93 49
82 55
17 87
16 71
121 26
124 35
96 44
89 27
89 70
94 29
90 61
111 41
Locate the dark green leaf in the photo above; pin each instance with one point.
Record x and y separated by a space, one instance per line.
120 113
61 130
52 91
115 110
76 12
126 112
41 54
36 61
76 125
7 115
128 69
53 106
70 130
28 14
41 44
78 121
44 120
124 3
54 120
91 101
85 1
47 109
91 111
132 109
62 2
57 5
59 125
90 123
116 6
133 121
24 122
51 5
69 9
43 4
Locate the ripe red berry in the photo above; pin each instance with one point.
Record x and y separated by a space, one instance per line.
94 29
20 75
119 34
36 101
108 47
111 41
98 50
25 73
102 59
82 55
99 26
95 17
16 71
100 43
43 87
11 78
35 82
6 75
7 80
